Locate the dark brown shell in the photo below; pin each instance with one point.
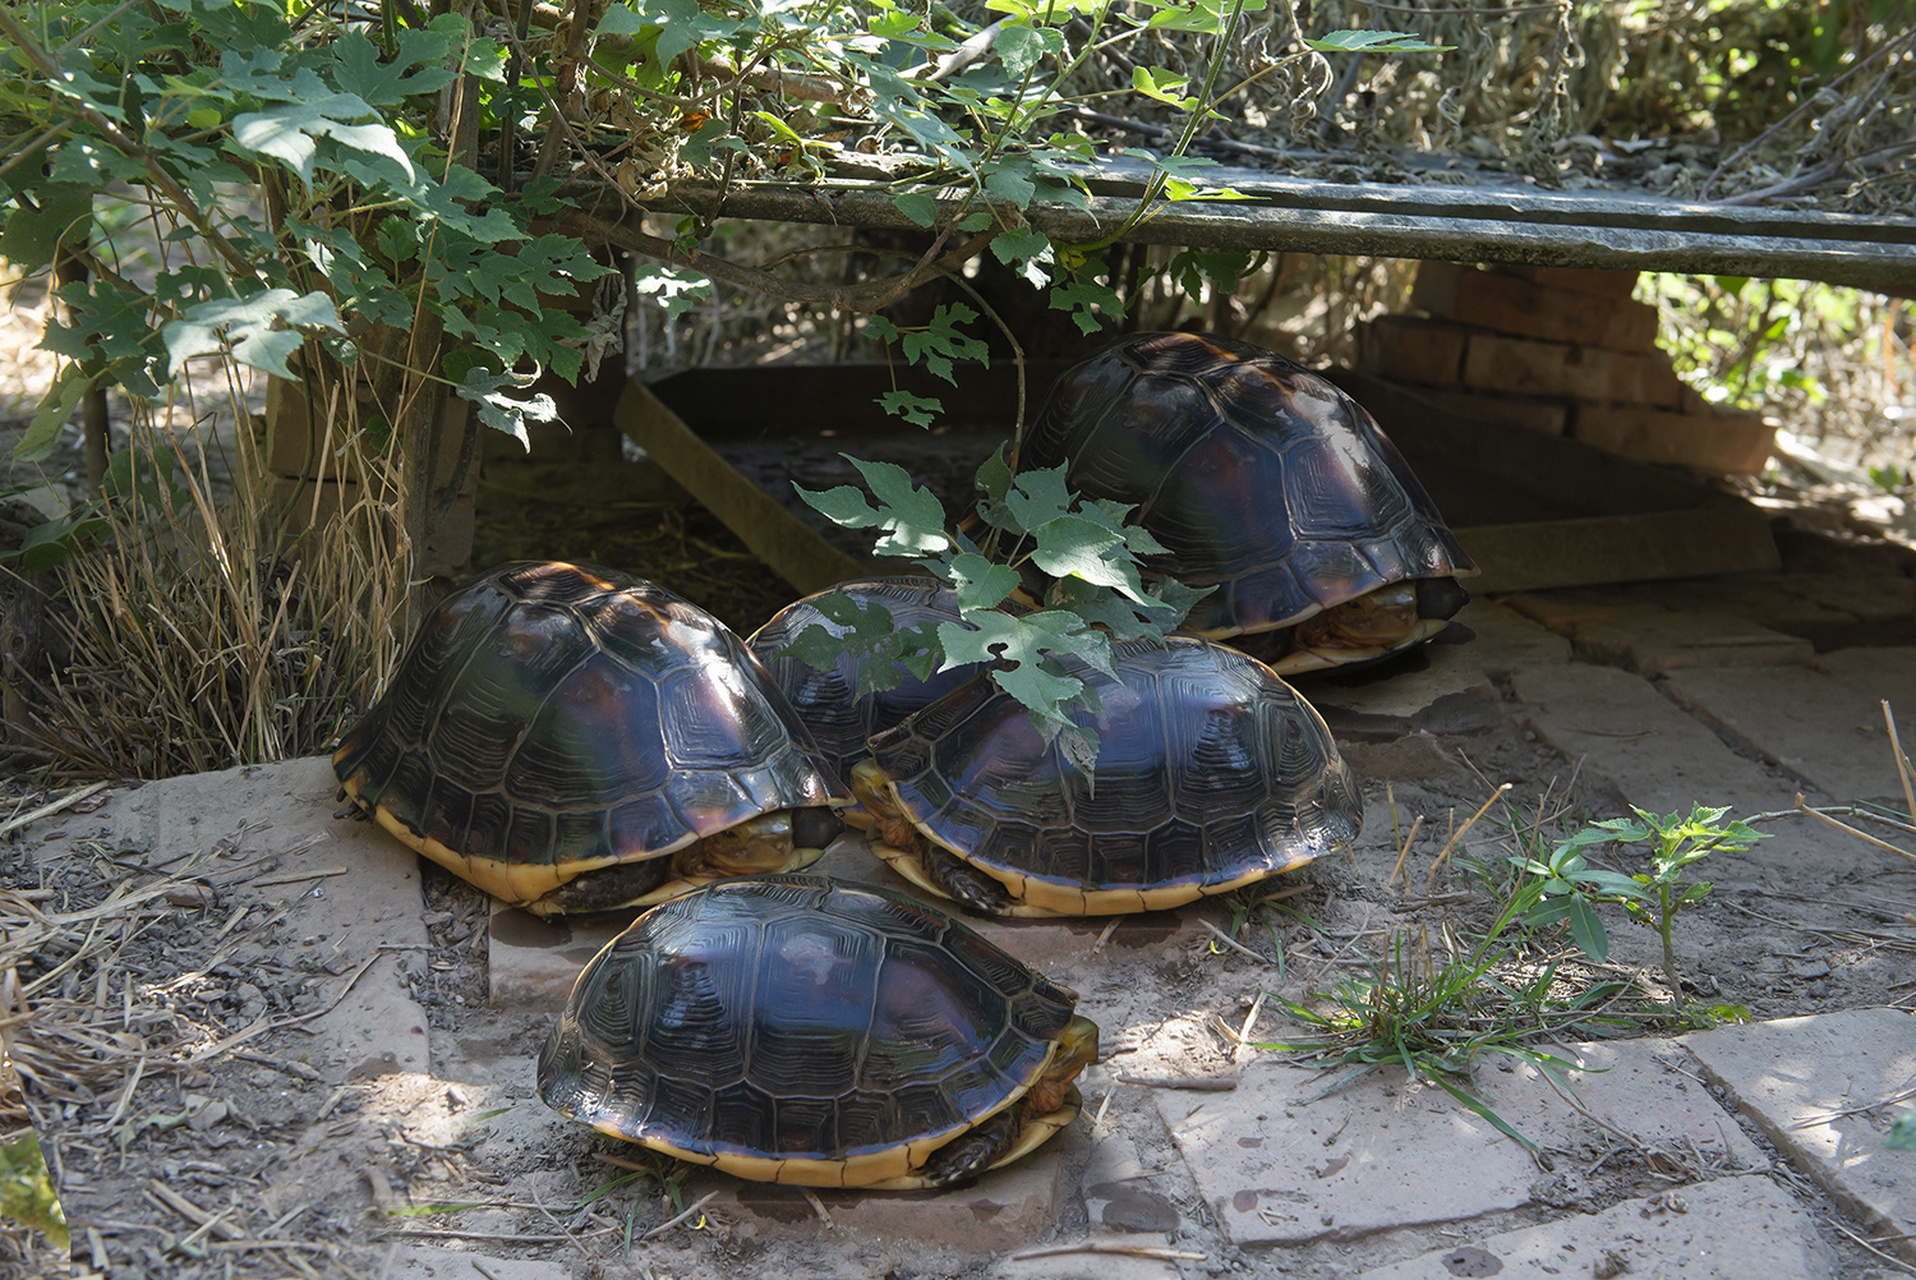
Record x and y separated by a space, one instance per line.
1262 478
841 723
551 718
775 1022
1211 773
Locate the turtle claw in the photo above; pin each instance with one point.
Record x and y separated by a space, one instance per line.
964 883
975 1150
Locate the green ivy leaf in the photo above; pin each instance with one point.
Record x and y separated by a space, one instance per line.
979 583
917 206
1374 42
917 410
841 504
912 517
287 133
1165 86
940 343
33 235
258 330
62 398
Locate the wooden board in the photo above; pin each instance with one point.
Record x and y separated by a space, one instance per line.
1477 218
1535 511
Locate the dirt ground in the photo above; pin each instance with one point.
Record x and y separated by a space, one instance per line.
176 1084
183 1098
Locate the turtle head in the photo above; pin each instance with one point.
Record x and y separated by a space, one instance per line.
1077 1049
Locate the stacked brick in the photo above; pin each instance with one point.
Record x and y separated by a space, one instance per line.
1559 350
302 457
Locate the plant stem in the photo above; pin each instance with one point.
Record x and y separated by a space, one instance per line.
1670 975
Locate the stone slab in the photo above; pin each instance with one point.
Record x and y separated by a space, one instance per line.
1507 641
416 1262
1823 722
1728 1229
1642 635
1005 1209
1819 1088
1640 747
1656 756
1652 641
1278 1166
368 909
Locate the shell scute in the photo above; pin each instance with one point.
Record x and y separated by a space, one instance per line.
524 740
738 1025
1249 468
1210 772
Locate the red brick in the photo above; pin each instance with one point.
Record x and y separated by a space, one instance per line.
1723 443
1547 416
1595 281
1513 305
1406 349
1521 366
295 439
448 547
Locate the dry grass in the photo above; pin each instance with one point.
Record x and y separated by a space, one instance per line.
200 634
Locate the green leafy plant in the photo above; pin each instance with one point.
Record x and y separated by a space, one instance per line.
1902 1133
1084 547
26 1193
1567 888
1437 1015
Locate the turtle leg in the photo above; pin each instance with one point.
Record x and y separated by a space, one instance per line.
962 882
975 1150
606 889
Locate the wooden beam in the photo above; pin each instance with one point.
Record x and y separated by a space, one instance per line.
783 541
1490 219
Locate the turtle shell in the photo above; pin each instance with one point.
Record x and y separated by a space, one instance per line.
825 699
1211 773
551 720
794 1029
1262 479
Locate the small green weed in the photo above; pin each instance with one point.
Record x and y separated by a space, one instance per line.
1435 1017
1568 888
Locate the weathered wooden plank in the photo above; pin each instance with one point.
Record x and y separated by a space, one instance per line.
784 542
1467 223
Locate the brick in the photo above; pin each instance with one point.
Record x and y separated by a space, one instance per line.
1550 417
1407 349
1523 366
1726 1229
448 548
1594 281
1512 305
1821 1088
1724 443
299 441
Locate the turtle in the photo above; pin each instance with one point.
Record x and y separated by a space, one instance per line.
572 739
802 1030
1211 773
1264 482
824 697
